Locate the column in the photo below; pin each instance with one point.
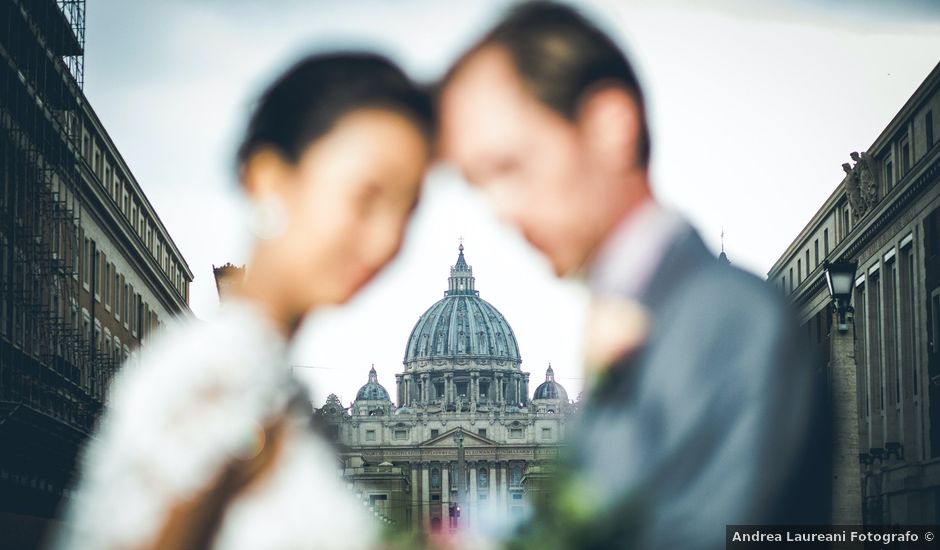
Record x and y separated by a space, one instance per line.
425 497
507 391
525 388
406 391
503 486
491 503
472 505
445 482
846 471
400 389
475 386
424 387
498 380
448 387
415 511
445 494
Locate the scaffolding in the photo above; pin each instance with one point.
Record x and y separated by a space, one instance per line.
74 59
48 362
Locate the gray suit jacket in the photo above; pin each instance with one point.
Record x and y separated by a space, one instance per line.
720 418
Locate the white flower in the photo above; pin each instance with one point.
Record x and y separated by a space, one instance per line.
615 328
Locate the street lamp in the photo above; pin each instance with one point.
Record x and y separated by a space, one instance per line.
458 438
839 277
847 460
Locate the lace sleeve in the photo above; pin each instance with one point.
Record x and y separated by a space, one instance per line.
196 398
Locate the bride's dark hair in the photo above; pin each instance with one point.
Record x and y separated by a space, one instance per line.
306 101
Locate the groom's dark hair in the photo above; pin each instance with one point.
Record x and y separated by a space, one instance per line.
561 57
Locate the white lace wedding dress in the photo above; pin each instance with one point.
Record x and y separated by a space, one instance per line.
194 397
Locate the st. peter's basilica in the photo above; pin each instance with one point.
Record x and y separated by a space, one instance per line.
463 440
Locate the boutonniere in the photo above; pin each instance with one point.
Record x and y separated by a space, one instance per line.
616 327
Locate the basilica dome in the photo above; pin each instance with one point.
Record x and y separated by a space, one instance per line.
372 390
549 389
462 325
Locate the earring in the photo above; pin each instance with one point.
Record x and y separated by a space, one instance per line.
267 218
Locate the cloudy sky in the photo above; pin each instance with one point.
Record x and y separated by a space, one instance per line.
754 107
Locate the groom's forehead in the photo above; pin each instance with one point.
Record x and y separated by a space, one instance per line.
487 75
486 98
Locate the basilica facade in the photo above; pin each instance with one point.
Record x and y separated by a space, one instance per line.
463 443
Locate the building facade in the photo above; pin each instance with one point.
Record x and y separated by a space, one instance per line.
885 215
465 444
87 270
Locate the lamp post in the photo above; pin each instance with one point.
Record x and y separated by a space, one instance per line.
458 438
846 469
839 278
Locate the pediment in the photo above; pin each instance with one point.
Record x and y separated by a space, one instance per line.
446 440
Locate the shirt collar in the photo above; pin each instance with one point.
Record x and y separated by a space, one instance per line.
628 258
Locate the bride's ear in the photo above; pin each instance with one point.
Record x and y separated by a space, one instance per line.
265 173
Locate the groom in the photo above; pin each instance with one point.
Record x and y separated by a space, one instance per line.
703 411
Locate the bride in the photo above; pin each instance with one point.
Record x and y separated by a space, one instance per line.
206 441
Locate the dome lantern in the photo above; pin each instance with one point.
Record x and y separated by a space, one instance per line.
461 281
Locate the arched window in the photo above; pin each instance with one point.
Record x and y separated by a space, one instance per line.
435 478
483 479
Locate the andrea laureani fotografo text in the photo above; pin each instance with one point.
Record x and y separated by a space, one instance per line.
866 537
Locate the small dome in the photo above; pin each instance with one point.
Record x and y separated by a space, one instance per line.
372 390
549 389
